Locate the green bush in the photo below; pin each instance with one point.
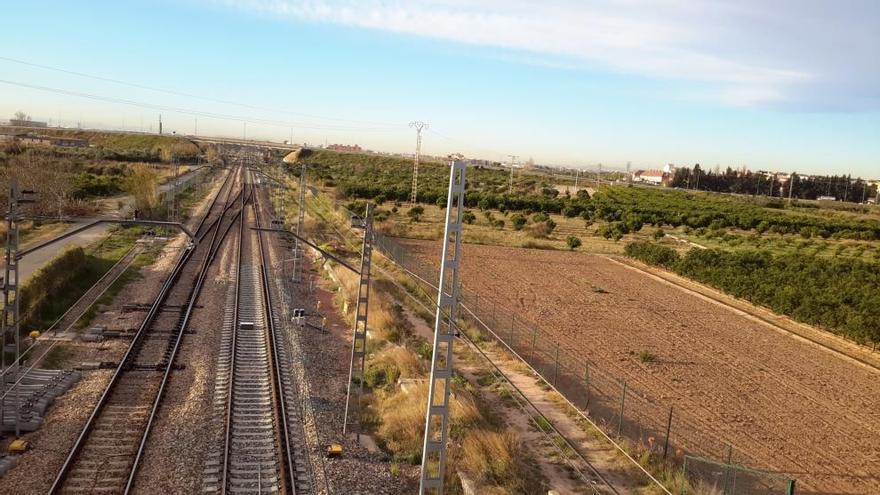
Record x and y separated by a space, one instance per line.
468 217
518 221
573 242
652 254
415 213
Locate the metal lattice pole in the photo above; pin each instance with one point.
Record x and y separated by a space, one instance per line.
298 251
419 127
10 317
172 199
359 340
437 416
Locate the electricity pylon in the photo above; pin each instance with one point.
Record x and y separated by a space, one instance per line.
419 126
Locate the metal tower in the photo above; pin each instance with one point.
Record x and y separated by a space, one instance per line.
359 341
510 183
437 416
172 199
10 317
298 251
418 126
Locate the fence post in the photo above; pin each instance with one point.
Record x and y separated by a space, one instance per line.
534 341
622 402
494 308
727 469
668 428
587 380
556 367
790 489
512 326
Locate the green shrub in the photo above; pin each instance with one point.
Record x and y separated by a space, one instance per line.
652 254
415 213
518 221
573 242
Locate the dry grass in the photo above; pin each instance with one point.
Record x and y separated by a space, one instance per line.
490 457
390 364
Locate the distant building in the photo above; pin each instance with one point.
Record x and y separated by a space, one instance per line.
27 123
351 148
656 177
35 140
826 198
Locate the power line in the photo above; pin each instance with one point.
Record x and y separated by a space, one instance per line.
218 116
195 96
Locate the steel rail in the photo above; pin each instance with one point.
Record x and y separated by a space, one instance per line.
235 324
131 352
216 241
281 397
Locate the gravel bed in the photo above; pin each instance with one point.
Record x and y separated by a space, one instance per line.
174 457
50 445
324 359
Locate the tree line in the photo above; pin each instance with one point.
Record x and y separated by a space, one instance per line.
839 294
842 187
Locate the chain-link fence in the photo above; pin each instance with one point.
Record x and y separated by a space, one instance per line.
718 478
648 424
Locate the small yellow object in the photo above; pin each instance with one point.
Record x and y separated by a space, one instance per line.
334 450
18 446
34 334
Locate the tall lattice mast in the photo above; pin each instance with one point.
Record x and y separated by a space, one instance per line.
419 126
298 251
359 341
437 416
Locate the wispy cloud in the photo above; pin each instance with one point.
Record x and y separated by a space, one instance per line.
785 53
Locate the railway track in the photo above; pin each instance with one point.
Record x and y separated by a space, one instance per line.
262 448
106 454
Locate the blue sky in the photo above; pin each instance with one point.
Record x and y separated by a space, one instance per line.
783 85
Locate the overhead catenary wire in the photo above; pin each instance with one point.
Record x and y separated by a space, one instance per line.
192 95
199 113
343 237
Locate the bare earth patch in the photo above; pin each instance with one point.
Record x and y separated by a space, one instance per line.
783 403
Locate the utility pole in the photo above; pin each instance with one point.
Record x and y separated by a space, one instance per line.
299 252
510 185
628 177
10 314
419 126
790 186
160 123
359 341
437 415
577 172
172 200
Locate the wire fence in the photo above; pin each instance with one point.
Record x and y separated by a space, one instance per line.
651 426
729 479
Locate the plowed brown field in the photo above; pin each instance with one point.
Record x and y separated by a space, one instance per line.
785 404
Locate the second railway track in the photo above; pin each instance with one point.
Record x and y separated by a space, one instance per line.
106 454
262 449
